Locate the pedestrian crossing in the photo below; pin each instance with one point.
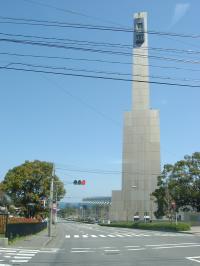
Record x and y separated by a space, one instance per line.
122 235
18 256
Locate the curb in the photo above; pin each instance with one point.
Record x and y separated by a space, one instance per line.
47 241
50 238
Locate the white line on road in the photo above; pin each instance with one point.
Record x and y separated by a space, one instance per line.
171 244
105 247
67 236
131 246
81 251
94 236
19 261
19 257
76 236
196 259
85 236
111 250
119 235
82 248
136 249
178 246
111 236
102 235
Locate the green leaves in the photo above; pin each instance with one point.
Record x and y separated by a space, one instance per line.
180 183
29 182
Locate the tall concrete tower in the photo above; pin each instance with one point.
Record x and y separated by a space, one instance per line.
141 140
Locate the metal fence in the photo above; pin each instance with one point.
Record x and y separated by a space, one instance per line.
23 229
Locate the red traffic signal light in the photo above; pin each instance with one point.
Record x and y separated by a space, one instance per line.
79 182
83 182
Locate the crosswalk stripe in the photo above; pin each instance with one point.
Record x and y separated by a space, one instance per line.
111 236
94 236
67 236
19 261
102 235
120 235
76 236
85 236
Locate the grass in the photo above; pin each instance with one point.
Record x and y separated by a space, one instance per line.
159 226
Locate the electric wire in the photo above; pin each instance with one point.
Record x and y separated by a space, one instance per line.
95 60
89 26
99 77
52 45
101 72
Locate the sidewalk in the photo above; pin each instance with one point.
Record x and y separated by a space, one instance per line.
38 240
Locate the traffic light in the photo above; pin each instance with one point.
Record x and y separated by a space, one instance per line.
79 182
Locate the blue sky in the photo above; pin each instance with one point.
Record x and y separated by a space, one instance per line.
77 122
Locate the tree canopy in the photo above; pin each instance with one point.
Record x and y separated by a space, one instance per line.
30 182
179 184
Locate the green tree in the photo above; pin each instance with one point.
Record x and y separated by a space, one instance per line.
29 182
179 183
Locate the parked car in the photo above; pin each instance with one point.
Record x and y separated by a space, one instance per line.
136 218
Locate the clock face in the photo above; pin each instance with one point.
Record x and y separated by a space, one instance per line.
139 32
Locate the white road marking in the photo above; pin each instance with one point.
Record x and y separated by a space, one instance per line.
111 250
19 257
81 251
178 246
82 248
19 261
76 236
196 259
136 249
85 236
105 247
111 236
102 235
171 244
131 246
94 236
120 235
67 236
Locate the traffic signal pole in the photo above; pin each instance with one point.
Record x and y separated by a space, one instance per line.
51 203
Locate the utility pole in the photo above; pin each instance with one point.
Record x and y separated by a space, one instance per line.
51 203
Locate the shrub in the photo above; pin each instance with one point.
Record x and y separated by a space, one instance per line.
160 226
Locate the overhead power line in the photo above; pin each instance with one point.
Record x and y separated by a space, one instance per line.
69 11
95 60
48 23
104 44
97 77
101 72
110 52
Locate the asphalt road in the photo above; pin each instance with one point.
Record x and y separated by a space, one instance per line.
79 244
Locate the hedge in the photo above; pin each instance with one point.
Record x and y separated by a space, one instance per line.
159 226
